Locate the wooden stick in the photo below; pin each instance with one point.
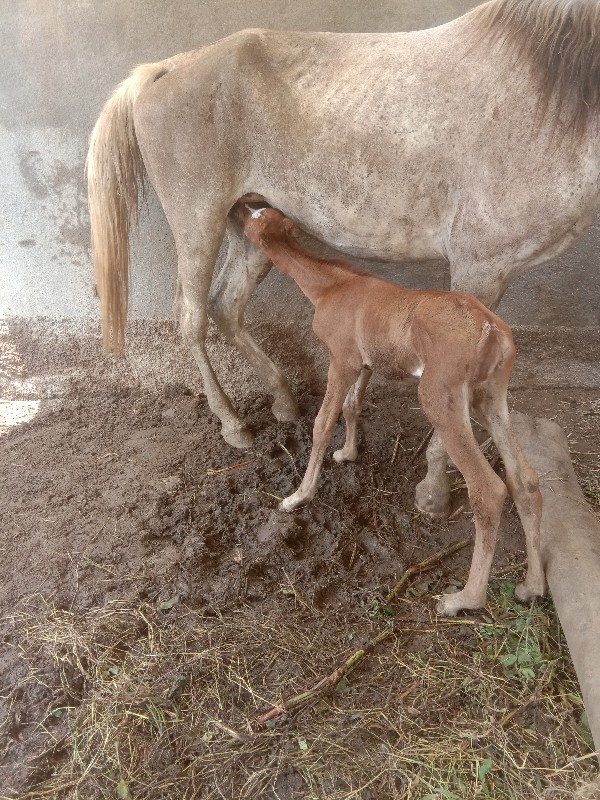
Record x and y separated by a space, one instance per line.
425 565
395 452
290 456
456 514
326 684
228 469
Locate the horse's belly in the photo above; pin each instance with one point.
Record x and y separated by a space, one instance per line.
397 244
378 233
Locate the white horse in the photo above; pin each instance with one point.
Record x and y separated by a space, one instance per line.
476 141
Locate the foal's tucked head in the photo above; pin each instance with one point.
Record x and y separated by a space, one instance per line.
264 224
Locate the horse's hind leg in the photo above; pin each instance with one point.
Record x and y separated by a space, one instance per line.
488 282
245 267
522 481
432 495
196 258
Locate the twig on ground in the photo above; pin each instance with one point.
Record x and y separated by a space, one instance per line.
508 569
290 456
425 565
239 736
228 469
326 684
456 514
535 696
270 494
395 451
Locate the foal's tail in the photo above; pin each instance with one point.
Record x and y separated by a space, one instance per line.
115 174
495 349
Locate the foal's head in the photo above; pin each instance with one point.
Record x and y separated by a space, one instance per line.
265 225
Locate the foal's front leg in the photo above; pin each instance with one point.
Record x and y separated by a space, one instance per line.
352 408
339 379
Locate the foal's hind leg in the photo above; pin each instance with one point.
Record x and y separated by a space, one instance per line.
245 267
487 282
352 408
522 481
448 410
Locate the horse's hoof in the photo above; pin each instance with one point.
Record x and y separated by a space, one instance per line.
450 604
436 506
292 502
285 410
340 456
526 593
242 438
446 607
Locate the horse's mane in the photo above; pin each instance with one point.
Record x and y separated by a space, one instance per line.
561 38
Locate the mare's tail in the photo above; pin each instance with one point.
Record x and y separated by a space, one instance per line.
115 174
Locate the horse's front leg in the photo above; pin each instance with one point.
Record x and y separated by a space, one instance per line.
244 268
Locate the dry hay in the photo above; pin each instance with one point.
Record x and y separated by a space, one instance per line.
162 703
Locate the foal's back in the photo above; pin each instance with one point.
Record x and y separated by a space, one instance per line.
395 330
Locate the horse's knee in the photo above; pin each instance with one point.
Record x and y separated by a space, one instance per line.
193 323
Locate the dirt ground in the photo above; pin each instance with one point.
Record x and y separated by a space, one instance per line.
114 494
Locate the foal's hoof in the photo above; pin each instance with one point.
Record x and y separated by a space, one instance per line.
434 505
242 438
285 410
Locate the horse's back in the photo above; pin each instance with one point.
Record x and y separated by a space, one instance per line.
386 145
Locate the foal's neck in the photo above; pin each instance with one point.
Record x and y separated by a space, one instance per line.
315 276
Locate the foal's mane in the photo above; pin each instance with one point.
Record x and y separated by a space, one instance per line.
561 38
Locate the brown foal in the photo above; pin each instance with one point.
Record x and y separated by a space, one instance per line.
462 353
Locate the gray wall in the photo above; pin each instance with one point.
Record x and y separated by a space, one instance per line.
62 58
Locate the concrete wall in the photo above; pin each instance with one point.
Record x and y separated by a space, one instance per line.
62 58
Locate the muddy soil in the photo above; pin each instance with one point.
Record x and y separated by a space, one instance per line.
117 493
